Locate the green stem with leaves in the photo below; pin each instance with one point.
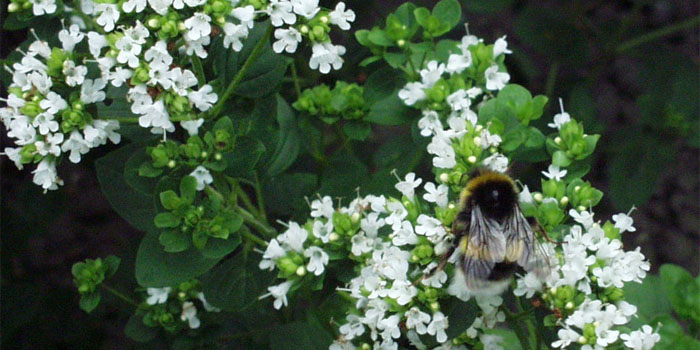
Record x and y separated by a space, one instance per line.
512 320
258 225
257 51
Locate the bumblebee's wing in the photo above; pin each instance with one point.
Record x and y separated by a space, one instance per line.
481 247
522 245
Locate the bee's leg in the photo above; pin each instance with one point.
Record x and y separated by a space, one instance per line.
537 227
443 261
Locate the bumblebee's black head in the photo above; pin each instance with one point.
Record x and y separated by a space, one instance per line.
493 192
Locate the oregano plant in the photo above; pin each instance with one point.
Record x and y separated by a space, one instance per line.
278 210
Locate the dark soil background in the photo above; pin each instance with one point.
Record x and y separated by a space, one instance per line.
648 154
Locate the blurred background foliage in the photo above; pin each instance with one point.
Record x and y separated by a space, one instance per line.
627 69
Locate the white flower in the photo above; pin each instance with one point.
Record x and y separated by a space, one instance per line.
134 5
496 162
75 75
109 15
354 327
189 314
51 146
294 237
158 54
53 103
45 175
288 39
458 63
402 291
322 208
203 177
559 120
280 12
341 17
273 252
412 93
15 156
306 8
245 15
418 320
641 340
318 259
45 122
459 100
233 35
623 222
500 47
528 285
437 279
198 26
566 337
69 38
192 126
371 224
279 292
157 295
404 234
525 196
40 7
76 145
553 172
91 91
437 195
326 55
408 186
203 98
160 6
495 80
584 218
183 80
207 306
438 326
488 139
390 327
430 227
96 42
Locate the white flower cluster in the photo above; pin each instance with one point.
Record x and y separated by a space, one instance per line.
391 274
158 296
44 120
461 117
297 18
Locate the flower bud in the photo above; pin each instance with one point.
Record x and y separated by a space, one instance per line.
471 159
301 271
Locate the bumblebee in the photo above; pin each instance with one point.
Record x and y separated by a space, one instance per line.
493 238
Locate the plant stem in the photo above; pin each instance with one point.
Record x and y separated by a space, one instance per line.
244 197
259 197
257 50
522 338
661 32
257 224
119 295
254 238
551 79
198 69
295 78
528 321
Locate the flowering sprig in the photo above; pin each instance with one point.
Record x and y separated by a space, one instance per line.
394 244
174 308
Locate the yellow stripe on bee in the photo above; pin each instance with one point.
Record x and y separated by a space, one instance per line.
481 179
514 251
473 251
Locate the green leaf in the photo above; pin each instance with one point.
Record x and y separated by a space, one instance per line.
188 189
217 248
673 336
244 157
158 268
379 37
174 241
170 200
137 331
89 302
115 105
650 297
111 264
288 142
684 291
381 84
449 13
164 220
284 194
134 206
357 130
236 283
560 159
390 111
304 335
